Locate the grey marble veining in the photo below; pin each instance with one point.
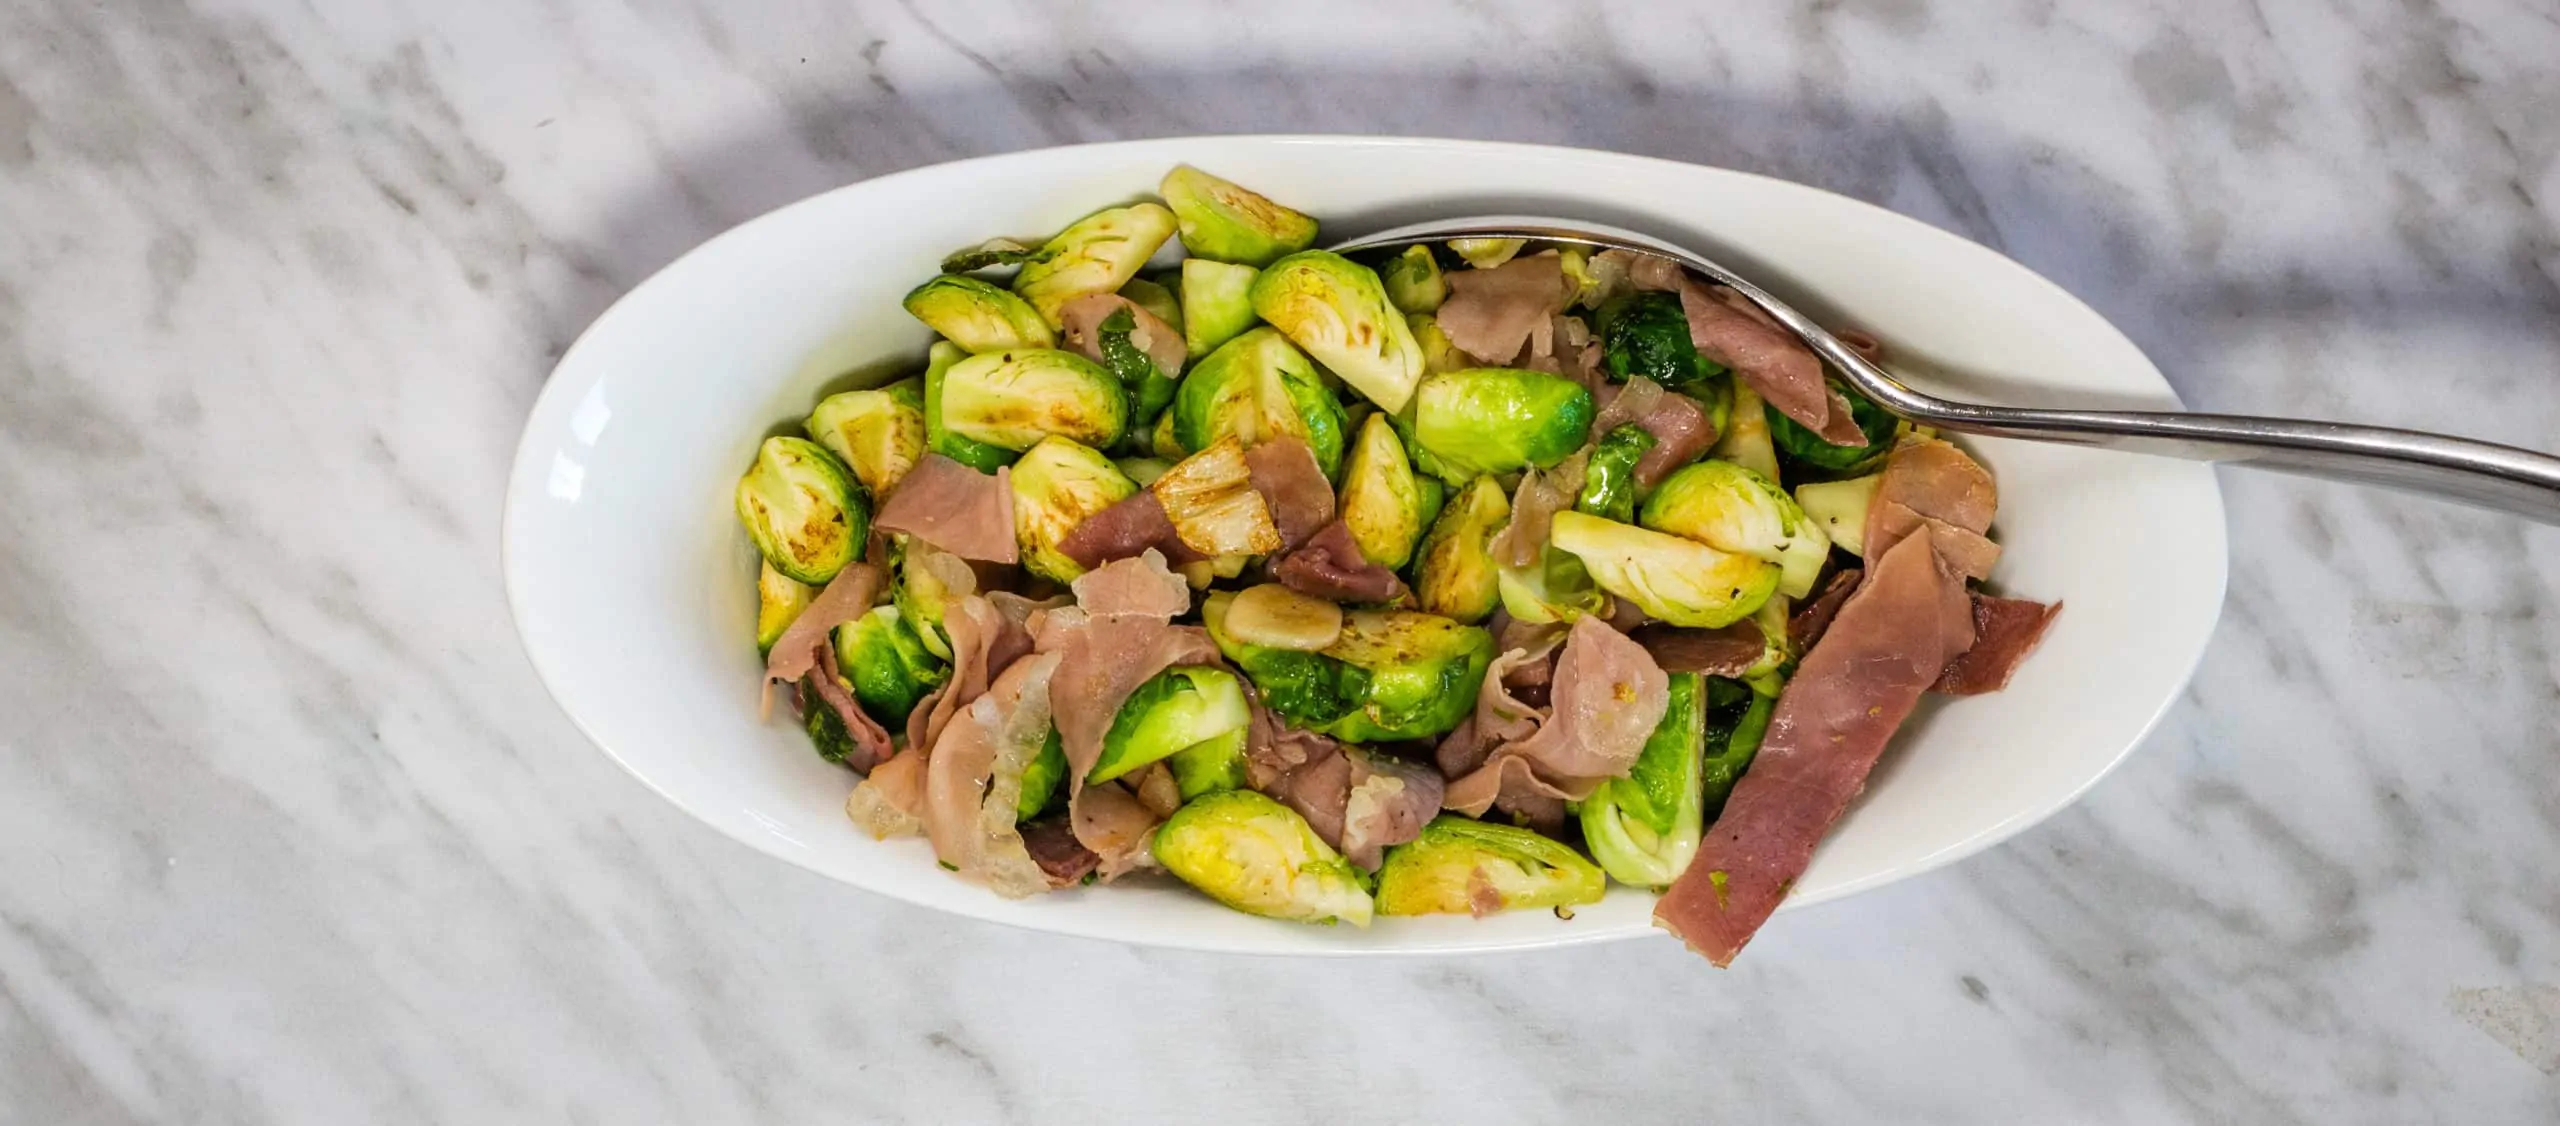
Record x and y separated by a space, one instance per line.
292 834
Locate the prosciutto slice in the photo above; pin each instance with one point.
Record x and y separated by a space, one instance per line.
1681 430
1119 634
1493 314
1971 553
1362 802
1812 618
1126 530
870 741
1081 323
1929 479
1329 566
973 781
2005 631
1774 363
846 597
1893 638
1293 486
1606 699
955 508
1053 846
1728 652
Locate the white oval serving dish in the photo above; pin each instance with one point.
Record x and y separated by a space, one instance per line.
633 587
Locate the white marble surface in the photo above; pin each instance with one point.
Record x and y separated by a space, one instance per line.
292 834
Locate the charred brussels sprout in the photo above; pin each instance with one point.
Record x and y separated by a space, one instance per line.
1382 501
1678 580
1497 420
1486 253
1839 508
1097 254
1645 333
1217 303
1336 309
806 514
1806 448
1609 478
1040 779
1173 711
1224 222
1057 485
1644 827
978 315
1413 280
1259 857
1733 509
940 438
779 600
879 432
1460 866
1012 400
1254 388
1456 576
888 664
1389 675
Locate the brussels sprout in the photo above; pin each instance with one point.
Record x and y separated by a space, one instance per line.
1644 827
1496 420
1646 333
920 597
1097 254
1257 387
1729 508
1149 388
1609 478
1413 280
1012 400
1745 440
1806 448
1210 766
1438 354
1554 588
878 433
1678 580
978 314
1392 674
1172 711
993 252
1381 501
805 513
1154 297
1460 866
1734 732
1259 857
1839 508
1456 576
1040 779
1486 253
888 664
1777 648
1057 485
1336 309
1592 288
1217 303
939 438
1161 440
1143 470
826 729
779 600
1224 222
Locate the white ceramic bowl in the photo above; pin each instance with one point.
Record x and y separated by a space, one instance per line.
633 587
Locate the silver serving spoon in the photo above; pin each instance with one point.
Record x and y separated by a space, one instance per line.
2502 478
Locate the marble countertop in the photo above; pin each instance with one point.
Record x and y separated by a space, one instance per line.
293 834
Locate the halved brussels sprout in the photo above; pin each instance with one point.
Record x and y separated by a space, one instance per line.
1745 440
1382 501
1486 253
1676 579
1217 303
1609 478
1224 222
1390 675
888 664
1259 857
1057 485
1460 866
806 514
1839 508
1806 448
978 314
1154 297
879 432
1210 766
920 597
1012 400
1040 779
1497 420
1455 578
1254 388
1336 309
1096 254
1161 440
975 454
1438 354
1644 827
1645 333
1556 587
779 600
1172 711
1777 647
1413 280
1729 508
